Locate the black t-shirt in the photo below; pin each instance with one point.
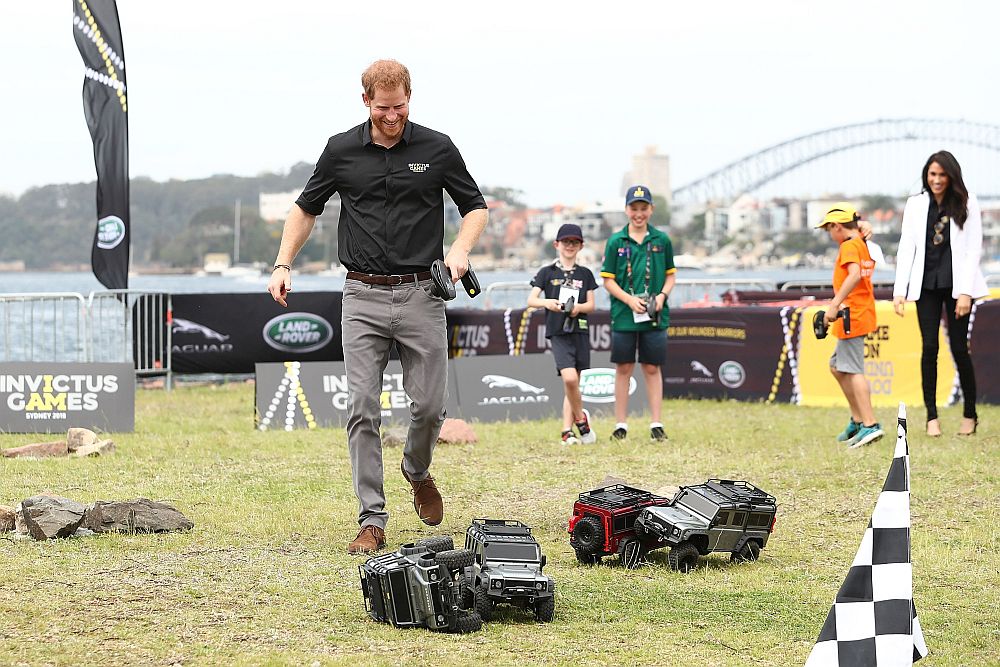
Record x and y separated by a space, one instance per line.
551 278
391 201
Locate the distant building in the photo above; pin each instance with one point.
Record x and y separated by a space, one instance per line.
651 169
274 206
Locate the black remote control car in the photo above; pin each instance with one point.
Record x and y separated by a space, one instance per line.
719 515
506 568
419 586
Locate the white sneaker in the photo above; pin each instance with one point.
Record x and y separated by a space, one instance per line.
587 434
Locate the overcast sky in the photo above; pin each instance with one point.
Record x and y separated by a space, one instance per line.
551 97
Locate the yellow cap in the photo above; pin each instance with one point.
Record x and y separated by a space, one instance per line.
840 213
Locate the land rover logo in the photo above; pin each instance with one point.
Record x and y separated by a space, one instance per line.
732 374
110 232
297 332
597 385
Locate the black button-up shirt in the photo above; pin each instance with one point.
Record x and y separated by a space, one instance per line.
392 206
937 258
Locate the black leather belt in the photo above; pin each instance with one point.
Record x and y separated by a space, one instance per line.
372 279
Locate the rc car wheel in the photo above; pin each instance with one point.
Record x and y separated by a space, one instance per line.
748 552
468 621
631 553
437 544
545 609
683 557
483 603
455 559
587 559
588 535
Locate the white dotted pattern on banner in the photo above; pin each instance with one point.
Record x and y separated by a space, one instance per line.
277 416
89 28
510 334
787 356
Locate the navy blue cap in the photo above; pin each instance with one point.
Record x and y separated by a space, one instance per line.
638 193
569 231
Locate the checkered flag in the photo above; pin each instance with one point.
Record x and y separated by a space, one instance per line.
873 620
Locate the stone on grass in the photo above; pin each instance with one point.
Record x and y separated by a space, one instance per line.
393 436
7 520
667 491
79 437
38 450
48 517
102 448
457 431
134 516
611 480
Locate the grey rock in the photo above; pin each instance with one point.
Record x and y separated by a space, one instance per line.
394 436
102 448
79 437
7 520
19 526
48 517
135 516
611 480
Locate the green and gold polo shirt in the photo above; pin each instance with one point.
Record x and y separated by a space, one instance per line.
638 268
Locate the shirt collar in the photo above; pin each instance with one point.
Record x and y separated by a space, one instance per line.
366 132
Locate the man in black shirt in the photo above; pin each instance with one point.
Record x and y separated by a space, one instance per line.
390 174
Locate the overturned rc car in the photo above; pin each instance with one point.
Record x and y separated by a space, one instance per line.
421 585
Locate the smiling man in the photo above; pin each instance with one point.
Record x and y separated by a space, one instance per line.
390 174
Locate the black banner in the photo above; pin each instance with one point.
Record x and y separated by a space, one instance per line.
98 36
229 333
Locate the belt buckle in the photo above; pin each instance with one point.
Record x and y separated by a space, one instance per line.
394 280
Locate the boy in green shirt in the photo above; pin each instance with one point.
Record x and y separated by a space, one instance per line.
639 270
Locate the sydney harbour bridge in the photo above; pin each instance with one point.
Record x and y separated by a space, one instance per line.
883 155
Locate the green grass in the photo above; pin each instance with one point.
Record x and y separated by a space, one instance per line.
264 577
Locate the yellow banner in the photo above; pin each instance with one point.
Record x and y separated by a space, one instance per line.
892 362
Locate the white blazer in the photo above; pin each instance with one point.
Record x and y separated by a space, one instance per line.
966 251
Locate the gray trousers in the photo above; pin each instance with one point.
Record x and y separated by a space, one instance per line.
375 316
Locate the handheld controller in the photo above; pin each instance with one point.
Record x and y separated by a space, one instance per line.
444 288
819 322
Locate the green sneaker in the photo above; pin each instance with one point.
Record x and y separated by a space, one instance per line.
849 431
866 435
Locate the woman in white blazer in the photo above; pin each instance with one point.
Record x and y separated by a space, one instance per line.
937 266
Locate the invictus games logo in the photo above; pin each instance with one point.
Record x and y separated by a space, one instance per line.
297 332
597 385
732 374
110 232
419 167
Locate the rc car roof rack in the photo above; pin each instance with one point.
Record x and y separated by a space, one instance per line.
617 495
739 491
501 527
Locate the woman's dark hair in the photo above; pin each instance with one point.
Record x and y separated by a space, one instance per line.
956 197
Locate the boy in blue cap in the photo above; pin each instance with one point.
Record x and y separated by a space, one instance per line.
639 274
552 287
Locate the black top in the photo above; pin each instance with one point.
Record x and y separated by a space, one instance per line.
937 258
550 278
392 208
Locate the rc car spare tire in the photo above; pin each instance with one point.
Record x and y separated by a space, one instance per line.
468 621
455 559
483 603
683 557
437 543
588 535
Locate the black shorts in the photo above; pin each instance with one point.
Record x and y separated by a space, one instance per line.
652 347
571 351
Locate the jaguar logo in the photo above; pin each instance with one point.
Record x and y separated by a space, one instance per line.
188 327
504 382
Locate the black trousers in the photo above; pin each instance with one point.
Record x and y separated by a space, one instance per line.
929 307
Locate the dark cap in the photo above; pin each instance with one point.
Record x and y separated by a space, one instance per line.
569 231
638 193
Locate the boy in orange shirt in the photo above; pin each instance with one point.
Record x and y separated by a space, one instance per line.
852 286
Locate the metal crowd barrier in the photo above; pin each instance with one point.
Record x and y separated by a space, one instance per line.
515 294
113 326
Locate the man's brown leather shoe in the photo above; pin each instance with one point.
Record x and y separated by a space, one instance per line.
426 499
371 538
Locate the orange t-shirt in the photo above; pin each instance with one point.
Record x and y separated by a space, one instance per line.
861 300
